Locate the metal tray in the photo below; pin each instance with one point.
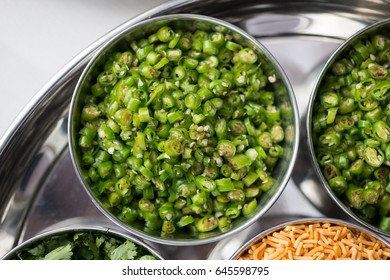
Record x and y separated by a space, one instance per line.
38 185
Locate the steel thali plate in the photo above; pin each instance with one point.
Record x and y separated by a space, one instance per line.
39 187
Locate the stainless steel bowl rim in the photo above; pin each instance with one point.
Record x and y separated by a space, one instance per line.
264 233
292 100
313 94
81 228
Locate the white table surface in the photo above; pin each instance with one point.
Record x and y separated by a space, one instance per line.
38 38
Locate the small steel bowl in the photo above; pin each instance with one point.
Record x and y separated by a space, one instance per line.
286 98
82 225
342 51
356 230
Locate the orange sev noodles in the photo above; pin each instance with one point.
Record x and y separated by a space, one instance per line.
317 241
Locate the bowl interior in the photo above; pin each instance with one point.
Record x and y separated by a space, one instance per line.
284 98
343 51
317 224
54 237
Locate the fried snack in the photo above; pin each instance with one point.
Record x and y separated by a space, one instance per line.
318 241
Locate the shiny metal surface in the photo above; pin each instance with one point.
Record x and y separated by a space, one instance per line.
188 22
74 225
38 185
307 221
371 29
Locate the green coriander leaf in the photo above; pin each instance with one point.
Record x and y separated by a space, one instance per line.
76 236
110 244
38 251
60 253
147 258
126 251
99 241
90 246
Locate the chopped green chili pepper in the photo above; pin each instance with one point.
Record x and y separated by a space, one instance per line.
236 195
239 161
373 156
381 131
249 207
247 56
354 196
205 183
226 148
384 224
224 185
352 141
330 99
357 167
181 131
233 210
341 161
207 223
370 195
168 227
331 115
330 139
224 223
331 171
338 184
319 122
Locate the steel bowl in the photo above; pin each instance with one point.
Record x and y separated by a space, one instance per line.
191 22
81 225
355 229
341 51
